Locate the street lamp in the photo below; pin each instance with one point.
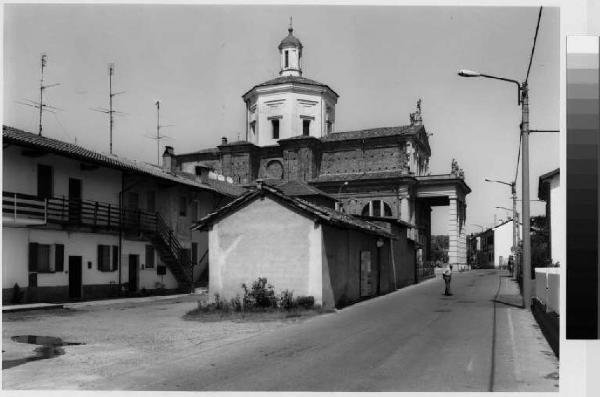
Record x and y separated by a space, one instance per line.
523 101
513 190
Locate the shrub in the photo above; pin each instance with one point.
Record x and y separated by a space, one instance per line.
307 302
236 304
17 296
260 295
286 301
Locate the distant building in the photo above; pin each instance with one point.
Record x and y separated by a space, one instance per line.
549 191
77 224
383 172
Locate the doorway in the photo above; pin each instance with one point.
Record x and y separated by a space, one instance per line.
75 277
74 200
134 261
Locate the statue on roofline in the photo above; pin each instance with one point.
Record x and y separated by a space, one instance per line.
416 118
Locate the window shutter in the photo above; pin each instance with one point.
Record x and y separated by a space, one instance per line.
59 257
99 264
115 257
33 257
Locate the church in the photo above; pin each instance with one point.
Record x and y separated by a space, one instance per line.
382 172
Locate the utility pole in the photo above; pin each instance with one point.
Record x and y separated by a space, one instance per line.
525 193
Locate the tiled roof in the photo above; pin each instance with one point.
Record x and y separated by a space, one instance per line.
226 188
291 80
326 215
372 133
27 139
296 188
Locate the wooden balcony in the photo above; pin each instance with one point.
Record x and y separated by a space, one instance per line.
28 210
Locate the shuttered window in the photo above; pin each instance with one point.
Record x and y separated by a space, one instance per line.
104 258
115 257
59 257
194 253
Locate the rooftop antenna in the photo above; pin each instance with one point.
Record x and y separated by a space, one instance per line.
158 136
41 105
110 111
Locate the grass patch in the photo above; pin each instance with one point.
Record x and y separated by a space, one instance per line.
251 316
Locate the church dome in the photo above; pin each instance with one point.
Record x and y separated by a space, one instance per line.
290 40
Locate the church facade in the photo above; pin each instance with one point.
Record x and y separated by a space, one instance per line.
379 172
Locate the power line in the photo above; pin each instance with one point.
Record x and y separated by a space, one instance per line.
518 158
537 28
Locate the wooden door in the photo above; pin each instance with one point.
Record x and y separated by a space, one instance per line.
75 276
134 262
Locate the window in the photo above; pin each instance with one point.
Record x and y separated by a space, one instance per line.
104 258
133 200
149 256
59 257
275 124
194 253
151 201
306 127
287 58
115 257
39 258
44 181
182 206
377 208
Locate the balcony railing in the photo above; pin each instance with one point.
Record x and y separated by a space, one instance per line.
28 209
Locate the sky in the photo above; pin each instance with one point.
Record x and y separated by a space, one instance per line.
199 59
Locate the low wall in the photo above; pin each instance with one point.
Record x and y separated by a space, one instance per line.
547 288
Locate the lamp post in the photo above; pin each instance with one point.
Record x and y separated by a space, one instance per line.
523 101
513 190
339 203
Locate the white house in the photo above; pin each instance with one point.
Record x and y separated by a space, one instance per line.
78 224
298 246
549 191
503 242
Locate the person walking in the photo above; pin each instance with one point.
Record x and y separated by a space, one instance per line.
447 276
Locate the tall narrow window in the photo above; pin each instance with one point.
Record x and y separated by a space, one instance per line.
104 258
329 126
182 206
287 58
44 181
149 256
275 124
306 127
194 253
59 257
151 201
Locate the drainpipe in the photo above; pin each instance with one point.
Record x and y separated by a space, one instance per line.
121 228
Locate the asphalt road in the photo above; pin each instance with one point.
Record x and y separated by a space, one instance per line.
414 339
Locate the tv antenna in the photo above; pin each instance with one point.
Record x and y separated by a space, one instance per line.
110 111
41 105
158 136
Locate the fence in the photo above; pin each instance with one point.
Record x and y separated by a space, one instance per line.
547 287
425 270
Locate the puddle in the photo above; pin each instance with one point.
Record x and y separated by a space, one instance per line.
50 346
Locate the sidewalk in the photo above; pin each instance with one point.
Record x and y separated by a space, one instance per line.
523 358
75 305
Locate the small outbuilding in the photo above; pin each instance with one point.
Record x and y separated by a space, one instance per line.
298 246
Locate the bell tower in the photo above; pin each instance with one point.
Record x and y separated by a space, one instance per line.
290 50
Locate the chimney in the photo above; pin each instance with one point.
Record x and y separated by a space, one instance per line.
259 184
202 173
169 161
224 140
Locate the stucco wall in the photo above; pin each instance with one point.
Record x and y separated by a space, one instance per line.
20 175
265 239
15 260
558 239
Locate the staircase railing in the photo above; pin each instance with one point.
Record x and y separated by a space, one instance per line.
179 254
